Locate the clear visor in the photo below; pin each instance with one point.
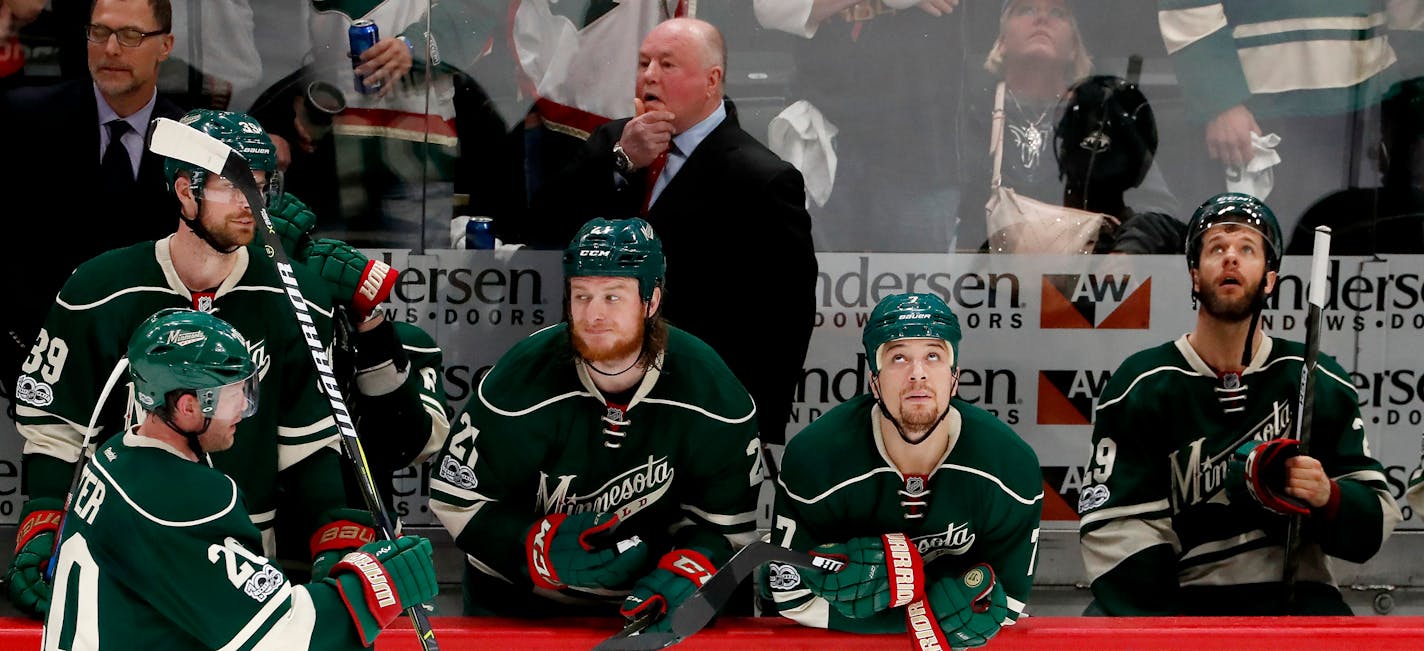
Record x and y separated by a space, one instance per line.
235 401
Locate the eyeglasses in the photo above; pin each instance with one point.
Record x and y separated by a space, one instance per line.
128 36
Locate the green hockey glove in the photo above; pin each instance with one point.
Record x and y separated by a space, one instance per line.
39 523
881 572
680 573
340 531
293 222
382 579
1258 469
970 607
355 280
565 551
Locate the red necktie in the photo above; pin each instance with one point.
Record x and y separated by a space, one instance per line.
654 171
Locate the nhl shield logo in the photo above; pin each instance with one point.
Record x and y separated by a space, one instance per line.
1230 381
914 484
205 304
613 414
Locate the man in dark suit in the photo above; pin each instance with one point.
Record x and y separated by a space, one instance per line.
83 139
730 213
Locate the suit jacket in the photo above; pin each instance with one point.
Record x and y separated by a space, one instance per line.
54 210
741 267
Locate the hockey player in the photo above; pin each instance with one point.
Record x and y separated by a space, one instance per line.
1192 468
610 418
206 264
144 566
391 372
909 476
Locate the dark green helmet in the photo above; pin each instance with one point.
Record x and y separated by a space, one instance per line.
618 247
187 350
237 130
909 316
1236 208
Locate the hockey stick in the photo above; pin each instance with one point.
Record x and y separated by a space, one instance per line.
114 375
1319 264
175 140
698 610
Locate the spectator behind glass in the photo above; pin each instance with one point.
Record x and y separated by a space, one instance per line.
61 130
1389 218
401 133
1304 70
881 79
1037 55
1104 145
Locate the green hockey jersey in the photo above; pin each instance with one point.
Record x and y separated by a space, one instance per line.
980 505
143 566
680 463
1162 535
87 332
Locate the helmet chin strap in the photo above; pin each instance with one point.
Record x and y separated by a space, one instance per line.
190 437
202 231
1258 303
885 411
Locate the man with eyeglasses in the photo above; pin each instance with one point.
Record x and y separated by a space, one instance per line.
205 263
83 137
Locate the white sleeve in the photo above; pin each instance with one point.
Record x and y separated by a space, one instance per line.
789 16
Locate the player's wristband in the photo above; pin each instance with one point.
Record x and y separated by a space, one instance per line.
380 604
339 535
36 523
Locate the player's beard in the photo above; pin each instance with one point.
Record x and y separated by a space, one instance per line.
1230 310
621 347
224 230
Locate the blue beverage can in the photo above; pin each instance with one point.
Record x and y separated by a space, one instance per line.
363 35
479 233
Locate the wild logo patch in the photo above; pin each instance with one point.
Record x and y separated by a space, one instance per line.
1101 301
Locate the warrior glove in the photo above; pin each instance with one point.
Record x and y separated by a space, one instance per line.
382 579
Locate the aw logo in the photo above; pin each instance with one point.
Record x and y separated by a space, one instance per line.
1068 397
1108 301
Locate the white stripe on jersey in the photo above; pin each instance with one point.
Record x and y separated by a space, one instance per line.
997 482
85 306
1139 378
277 290
1105 547
704 412
232 501
832 489
268 610
1123 511
718 518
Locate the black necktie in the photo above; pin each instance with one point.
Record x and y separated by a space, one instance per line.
116 168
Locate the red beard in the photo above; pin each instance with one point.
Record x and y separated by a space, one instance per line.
618 348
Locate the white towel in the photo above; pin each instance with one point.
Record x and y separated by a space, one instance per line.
802 136
1257 178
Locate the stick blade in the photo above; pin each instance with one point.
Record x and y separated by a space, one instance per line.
177 140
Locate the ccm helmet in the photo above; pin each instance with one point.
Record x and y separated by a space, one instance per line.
618 247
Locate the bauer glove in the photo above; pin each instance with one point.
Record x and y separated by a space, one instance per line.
340 532
293 222
355 280
34 545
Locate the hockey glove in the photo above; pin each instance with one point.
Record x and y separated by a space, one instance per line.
341 531
382 579
293 222
1259 469
354 279
39 524
970 607
881 572
566 551
680 573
